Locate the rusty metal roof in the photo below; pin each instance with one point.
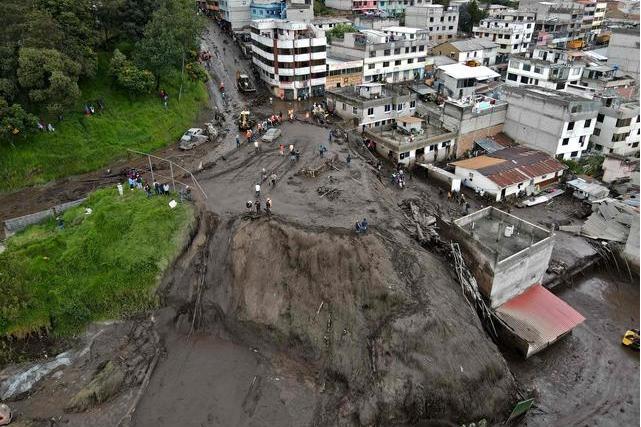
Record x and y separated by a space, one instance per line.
477 162
538 317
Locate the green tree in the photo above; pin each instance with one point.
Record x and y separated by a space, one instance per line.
171 33
475 15
15 121
49 77
338 32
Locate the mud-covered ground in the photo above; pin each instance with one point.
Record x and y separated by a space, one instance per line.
293 320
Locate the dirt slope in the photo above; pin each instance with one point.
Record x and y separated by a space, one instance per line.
386 324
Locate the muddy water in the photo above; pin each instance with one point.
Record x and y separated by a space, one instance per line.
588 378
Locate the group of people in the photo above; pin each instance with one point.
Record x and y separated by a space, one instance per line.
205 57
252 135
398 178
90 109
136 181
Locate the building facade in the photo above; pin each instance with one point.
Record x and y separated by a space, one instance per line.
459 81
554 122
265 9
544 67
623 51
511 30
472 52
386 57
235 14
371 104
290 57
440 21
617 128
343 73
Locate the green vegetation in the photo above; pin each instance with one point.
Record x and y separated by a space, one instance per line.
338 32
100 266
85 143
321 10
470 14
587 165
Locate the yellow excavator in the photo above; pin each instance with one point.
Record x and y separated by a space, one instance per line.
631 339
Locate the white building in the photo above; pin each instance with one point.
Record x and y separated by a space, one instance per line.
545 67
327 24
511 171
617 128
470 51
391 57
441 22
290 57
458 81
555 122
371 104
511 29
236 14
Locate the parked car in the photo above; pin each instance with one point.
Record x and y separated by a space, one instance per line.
271 135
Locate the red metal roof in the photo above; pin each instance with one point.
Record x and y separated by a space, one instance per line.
507 177
539 317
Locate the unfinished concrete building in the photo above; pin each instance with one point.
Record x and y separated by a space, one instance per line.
508 257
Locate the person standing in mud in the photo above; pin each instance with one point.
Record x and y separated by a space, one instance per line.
237 141
257 190
268 206
258 206
272 179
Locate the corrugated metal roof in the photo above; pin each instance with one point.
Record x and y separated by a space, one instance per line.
478 162
508 177
539 317
489 145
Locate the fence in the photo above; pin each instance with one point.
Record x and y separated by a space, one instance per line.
11 226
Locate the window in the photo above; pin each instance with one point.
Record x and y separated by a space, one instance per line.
399 107
370 111
388 108
344 106
354 110
600 118
566 141
422 48
397 51
636 144
598 147
386 52
574 154
620 136
537 70
410 61
511 76
370 66
587 123
597 131
386 64
570 125
581 140
526 67
624 122
412 104
372 53
397 62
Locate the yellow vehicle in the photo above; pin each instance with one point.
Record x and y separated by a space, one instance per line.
631 339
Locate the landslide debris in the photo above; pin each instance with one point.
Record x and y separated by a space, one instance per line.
379 319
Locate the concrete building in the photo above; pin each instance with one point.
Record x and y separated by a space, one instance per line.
599 78
509 254
557 24
616 167
353 5
235 14
512 171
557 123
371 22
471 52
593 17
508 257
511 29
497 9
473 119
326 24
623 51
459 81
263 9
343 73
371 104
441 22
617 127
290 57
545 67
300 10
387 57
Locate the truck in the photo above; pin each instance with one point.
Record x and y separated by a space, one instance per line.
244 83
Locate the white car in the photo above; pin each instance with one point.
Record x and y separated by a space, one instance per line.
193 138
271 135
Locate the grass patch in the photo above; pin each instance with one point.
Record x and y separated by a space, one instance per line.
100 266
82 144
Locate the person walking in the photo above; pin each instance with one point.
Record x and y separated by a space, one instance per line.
256 147
268 206
257 204
257 190
237 141
281 149
349 159
272 179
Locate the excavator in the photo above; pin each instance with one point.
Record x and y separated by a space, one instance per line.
244 121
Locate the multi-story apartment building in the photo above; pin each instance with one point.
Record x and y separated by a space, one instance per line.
556 122
290 57
511 29
393 57
459 81
545 67
353 5
441 22
235 14
593 16
617 127
370 22
371 104
264 9
557 24
470 51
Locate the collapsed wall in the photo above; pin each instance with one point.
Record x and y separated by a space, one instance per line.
384 319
